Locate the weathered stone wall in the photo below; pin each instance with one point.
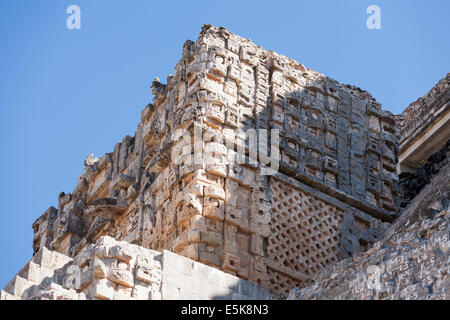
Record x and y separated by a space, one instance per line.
113 270
334 193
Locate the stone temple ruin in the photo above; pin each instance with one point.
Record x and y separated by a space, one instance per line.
139 218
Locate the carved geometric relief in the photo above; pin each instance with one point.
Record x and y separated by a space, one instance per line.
305 233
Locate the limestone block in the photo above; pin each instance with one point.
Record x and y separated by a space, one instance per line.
33 273
169 292
174 262
211 238
120 296
148 275
263 230
214 208
7 296
215 192
261 213
58 293
86 278
51 259
101 289
121 252
122 181
124 290
45 273
233 216
260 264
210 258
99 268
256 245
19 287
191 251
230 262
155 294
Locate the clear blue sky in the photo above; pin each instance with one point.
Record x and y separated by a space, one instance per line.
67 93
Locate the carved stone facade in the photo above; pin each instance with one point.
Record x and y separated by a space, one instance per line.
333 193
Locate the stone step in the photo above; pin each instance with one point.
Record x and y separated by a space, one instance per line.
36 273
32 272
50 259
18 286
7 296
9 288
41 267
24 271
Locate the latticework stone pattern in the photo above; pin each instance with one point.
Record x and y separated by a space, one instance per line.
305 230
